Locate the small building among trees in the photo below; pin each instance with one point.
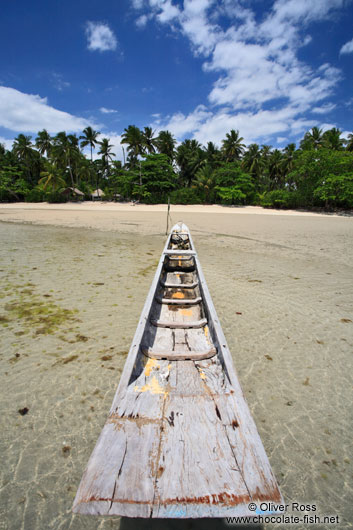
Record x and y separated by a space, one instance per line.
73 194
97 194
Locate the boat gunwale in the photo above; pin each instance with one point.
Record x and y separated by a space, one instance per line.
134 350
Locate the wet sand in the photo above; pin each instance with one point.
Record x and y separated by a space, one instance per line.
73 283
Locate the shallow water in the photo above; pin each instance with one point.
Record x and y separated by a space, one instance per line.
69 304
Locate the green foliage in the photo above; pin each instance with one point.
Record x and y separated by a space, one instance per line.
52 179
231 195
55 197
227 174
312 167
165 143
13 187
185 196
36 195
205 183
157 179
336 190
123 182
319 173
278 199
233 186
232 146
190 157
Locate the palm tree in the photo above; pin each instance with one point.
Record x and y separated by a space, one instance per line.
133 137
86 171
65 152
275 168
313 139
23 150
232 146
148 140
89 137
288 158
213 155
265 152
44 142
107 154
332 139
52 178
165 143
205 181
190 157
22 147
253 162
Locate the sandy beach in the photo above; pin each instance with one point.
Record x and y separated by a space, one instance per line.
73 281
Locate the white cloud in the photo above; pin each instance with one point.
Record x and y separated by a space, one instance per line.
114 140
263 88
324 109
22 112
326 126
168 11
180 125
59 82
282 140
259 126
6 142
104 110
142 21
348 47
137 4
304 10
100 37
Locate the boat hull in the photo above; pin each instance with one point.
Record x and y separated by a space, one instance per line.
180 441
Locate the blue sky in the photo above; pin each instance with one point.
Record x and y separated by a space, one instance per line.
272 69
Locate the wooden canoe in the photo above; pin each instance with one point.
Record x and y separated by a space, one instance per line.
179 440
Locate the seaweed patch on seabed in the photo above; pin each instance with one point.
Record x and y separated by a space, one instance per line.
42 317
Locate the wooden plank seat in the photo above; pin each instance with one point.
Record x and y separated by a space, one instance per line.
179 325
179 258
179 285
183 301
179 252
179 264
179 355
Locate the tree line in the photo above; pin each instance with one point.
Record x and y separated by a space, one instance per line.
319 173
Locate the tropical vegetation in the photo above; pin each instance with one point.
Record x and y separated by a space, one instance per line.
155 168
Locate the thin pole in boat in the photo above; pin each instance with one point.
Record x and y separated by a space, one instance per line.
166 232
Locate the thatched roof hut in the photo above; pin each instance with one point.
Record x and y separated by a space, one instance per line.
97 194
73 192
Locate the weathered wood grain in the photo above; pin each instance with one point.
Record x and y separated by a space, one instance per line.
180 440
180 355
180 325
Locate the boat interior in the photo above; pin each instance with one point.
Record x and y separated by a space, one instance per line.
178 327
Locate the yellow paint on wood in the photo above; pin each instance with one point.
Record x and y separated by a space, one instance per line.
152 386
186 312
151 363
202 374
178 295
